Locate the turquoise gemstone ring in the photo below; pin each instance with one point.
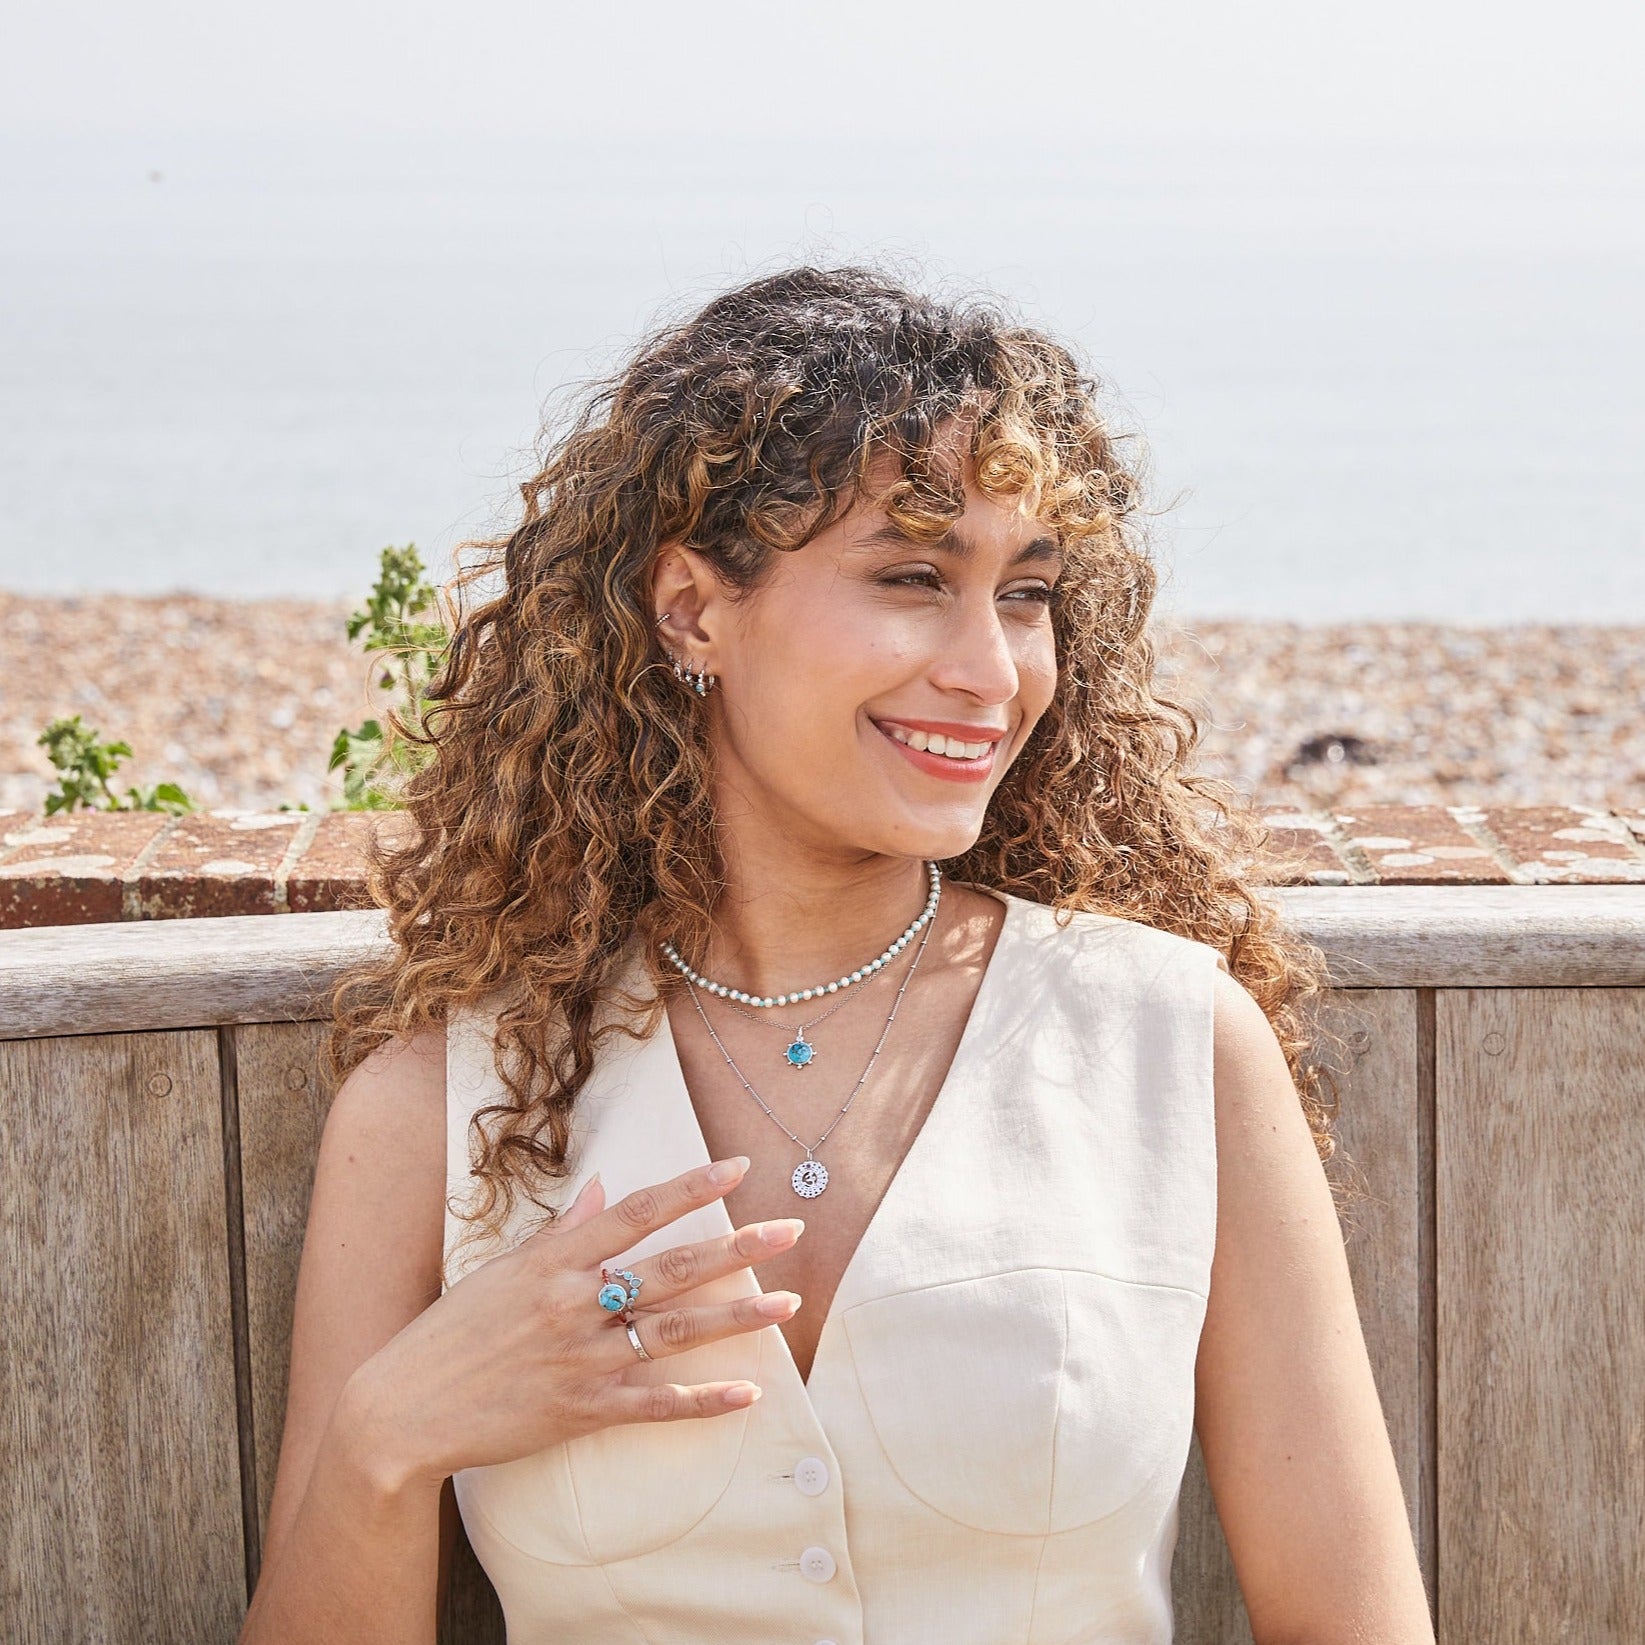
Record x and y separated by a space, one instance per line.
615 1298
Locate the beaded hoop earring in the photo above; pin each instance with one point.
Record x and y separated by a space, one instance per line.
698 679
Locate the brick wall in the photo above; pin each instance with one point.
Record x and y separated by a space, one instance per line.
94 866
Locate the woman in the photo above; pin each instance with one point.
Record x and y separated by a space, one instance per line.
799 805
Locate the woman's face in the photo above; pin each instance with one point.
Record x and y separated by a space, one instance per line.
861 649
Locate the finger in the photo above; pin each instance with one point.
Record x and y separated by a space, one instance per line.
685 1267
590 1201
669 1401
646 1209
673 1330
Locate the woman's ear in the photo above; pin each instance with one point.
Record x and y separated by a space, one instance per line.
684 595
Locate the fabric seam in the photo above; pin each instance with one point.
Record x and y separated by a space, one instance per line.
942 1513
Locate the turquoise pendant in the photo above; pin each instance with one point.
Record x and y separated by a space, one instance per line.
801 1052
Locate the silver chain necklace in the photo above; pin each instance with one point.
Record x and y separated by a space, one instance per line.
811 1175
799 1052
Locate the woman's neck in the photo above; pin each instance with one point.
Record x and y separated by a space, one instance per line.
794 924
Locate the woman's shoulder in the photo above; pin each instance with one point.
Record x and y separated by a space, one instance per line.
1065 931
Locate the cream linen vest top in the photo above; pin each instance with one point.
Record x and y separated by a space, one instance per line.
991 1445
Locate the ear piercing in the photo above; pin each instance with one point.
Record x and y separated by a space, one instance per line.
698 679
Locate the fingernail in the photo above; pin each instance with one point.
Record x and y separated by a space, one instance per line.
778 1304
728 1170
777 1233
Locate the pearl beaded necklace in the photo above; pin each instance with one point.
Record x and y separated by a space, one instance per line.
794 998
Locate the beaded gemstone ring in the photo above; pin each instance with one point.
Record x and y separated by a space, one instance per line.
615 1298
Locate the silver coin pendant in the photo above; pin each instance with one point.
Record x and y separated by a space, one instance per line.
810 1178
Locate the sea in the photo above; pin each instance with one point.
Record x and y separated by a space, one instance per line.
1366 381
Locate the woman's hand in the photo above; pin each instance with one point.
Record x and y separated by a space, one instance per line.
516 1357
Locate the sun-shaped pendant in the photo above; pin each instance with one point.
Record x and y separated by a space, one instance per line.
810 1178
800 1053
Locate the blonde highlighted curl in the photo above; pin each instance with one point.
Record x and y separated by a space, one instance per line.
564 808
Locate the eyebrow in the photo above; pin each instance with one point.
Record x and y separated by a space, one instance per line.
955 542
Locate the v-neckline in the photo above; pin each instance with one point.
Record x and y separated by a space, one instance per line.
979 1001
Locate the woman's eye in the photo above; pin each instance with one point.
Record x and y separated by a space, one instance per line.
1041 592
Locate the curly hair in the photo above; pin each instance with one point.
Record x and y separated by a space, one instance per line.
562 808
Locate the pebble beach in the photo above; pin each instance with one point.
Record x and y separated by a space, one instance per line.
239 701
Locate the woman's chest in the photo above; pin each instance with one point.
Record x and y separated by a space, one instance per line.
862 1149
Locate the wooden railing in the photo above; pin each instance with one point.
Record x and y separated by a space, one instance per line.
160 1110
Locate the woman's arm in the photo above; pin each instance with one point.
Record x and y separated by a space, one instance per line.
356 1543
1290 1426
359 1558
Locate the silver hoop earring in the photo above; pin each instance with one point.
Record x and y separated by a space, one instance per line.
698 679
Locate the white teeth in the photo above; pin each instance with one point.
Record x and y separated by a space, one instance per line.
935 743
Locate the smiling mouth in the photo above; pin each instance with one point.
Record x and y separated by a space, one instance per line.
951 759
934 742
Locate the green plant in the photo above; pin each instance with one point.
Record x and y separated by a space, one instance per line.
84 767
373 763
373 760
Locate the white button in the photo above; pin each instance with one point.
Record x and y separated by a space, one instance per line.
811 1475
817 1564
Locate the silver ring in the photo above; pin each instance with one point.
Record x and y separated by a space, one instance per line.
634 1337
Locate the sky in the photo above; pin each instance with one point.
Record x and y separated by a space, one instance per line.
1497 72
301 279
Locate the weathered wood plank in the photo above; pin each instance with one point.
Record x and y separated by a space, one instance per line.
473 1615
149 974
282 1113
1475 936
153 974
117 1440
1541 1154
1377 1128
283 1109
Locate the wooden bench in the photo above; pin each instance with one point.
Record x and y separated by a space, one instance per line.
160 1109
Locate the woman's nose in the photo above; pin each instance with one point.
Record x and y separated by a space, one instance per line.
977 655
